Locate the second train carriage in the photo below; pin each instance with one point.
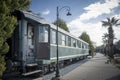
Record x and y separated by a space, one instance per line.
33 45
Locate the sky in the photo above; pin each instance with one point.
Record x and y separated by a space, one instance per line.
86 15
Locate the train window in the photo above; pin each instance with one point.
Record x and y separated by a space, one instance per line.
74 42
69 41
30 33
59 38
87 46
53 34
83 46
63 39
46 34
43 34
79 44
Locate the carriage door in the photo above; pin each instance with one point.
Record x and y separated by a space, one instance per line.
30 44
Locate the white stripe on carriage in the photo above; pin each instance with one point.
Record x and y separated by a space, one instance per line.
71 56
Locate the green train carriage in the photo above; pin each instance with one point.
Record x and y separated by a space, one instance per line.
33 45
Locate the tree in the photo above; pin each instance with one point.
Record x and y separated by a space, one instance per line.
110 23
7 25
118 44
105 42
117 47
84 36
61 24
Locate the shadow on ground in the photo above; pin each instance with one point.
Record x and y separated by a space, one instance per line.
114 78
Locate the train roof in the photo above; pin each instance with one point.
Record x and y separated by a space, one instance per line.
40 20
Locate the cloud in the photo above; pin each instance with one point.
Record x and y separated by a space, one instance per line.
95 30
97 9
117 29
46 12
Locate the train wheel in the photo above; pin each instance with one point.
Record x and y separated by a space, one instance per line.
61 65
51 68
45 69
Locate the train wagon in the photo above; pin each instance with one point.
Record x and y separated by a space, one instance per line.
33 45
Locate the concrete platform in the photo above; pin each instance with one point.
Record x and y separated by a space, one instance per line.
94 69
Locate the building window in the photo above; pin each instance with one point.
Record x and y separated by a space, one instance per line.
43 34
53 34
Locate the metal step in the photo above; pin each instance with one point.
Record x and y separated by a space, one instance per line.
33 72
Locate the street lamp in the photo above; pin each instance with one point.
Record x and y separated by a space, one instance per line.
57 55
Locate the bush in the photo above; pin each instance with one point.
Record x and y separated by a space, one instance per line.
2 65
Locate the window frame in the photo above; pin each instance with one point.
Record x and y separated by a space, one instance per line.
43 34
69 41
53 37
63 39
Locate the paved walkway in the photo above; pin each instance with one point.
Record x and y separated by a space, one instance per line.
94 69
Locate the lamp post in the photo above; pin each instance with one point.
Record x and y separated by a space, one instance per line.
57 54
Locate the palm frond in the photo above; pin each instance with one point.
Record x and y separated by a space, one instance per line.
105 36
105 23
117 20
113 20
118 24
108 19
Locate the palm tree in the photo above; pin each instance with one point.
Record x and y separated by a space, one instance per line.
105 42
110 23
